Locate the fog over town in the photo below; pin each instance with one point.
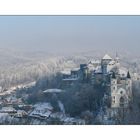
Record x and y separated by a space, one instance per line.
57 69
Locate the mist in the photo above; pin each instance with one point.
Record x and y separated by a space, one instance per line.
70 34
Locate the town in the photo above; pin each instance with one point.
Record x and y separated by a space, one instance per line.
106 73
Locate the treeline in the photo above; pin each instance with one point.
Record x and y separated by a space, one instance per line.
81 99
25 72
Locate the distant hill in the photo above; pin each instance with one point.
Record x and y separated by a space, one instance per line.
19 66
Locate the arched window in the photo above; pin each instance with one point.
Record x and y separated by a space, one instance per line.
114 88
122 101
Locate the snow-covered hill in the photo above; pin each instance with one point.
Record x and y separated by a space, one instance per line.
25 66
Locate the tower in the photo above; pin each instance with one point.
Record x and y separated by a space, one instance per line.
117 63
113 89
117 58
84 72
129 86
121 91
104 62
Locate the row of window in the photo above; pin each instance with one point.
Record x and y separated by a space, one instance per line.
121 100
114 82
121 92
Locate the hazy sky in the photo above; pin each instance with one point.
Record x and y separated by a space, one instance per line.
70 33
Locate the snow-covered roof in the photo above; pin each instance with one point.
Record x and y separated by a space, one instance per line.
37 113
67 72
42 109
53 90
98 69
107 57
41 106
70 79
112 62
7 109
75 69
94 62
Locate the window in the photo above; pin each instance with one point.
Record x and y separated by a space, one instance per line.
114 88
121 92
113 99
122 101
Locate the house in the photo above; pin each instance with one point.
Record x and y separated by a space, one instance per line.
9 110
41 110
21 114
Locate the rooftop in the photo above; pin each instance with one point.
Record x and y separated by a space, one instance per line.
53 90
107 57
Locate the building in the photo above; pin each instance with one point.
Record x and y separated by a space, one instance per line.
106 72
121 91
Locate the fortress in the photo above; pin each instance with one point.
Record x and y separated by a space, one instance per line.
105 72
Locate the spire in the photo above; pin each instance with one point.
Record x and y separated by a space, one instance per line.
128 75
117 57
113 75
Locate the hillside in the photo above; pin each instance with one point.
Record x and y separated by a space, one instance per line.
19 66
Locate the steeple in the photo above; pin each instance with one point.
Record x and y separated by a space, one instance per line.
128 75
117 57
116 54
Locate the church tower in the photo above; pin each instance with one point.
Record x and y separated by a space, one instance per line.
129 86
104 62
117 63
117 58
113 89
121 91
